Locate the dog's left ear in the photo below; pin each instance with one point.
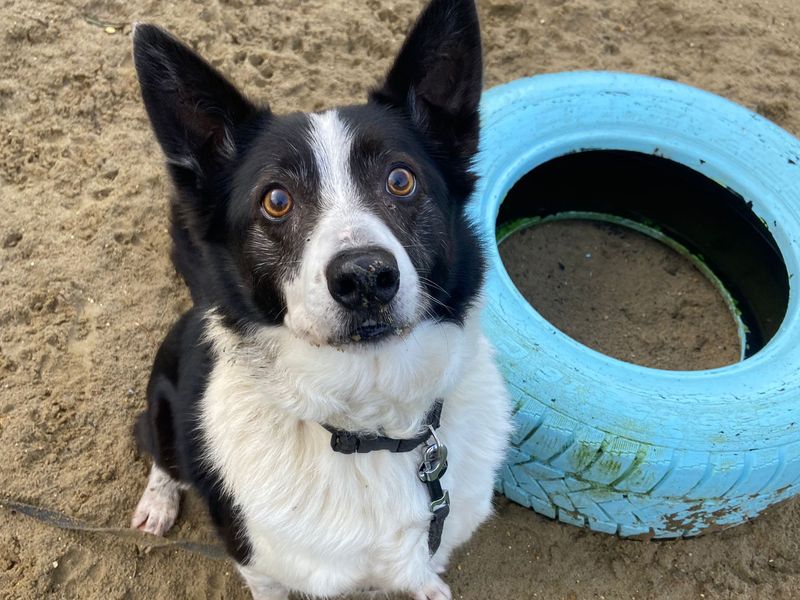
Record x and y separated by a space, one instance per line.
437 77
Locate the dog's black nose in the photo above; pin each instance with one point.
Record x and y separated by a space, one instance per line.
363 277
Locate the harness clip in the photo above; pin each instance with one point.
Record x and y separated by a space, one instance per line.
434 460
344 442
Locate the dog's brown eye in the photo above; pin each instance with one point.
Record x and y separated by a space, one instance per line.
277 203
401 182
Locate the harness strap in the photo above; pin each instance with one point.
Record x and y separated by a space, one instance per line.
440 509
348 442
434 464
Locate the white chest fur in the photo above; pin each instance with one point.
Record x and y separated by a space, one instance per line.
325 523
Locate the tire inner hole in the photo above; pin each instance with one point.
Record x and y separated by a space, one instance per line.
643 259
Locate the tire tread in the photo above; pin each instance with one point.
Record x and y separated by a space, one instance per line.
575 476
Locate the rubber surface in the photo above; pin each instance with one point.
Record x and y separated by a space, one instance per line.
613 446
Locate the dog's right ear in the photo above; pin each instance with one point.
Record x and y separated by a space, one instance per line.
194 110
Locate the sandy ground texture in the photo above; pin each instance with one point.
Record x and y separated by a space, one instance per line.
88 291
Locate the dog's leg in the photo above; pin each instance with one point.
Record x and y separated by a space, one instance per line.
437 589
158 507
263 587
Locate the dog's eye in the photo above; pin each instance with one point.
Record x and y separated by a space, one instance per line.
277 203
401 182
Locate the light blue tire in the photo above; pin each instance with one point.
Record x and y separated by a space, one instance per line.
609 445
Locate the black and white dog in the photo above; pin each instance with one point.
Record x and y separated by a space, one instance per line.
336 285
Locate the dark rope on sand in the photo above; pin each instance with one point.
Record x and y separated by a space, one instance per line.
61 521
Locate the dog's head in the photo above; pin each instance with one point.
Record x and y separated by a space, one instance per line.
345 226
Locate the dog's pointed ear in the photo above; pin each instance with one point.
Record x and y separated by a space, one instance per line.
192 107
437 77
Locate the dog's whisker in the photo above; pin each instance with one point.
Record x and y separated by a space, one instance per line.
434 285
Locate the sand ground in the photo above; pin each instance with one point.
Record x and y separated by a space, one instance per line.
87 290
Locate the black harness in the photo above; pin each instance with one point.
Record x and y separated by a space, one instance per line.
431 469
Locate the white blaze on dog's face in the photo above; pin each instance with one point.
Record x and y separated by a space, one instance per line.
347 225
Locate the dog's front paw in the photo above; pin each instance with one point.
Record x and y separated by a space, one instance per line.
158 507
156 513
435 590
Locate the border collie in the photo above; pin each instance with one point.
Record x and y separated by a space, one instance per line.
334 349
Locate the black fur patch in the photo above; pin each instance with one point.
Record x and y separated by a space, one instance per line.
168 429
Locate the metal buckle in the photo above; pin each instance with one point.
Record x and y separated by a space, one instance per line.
434 460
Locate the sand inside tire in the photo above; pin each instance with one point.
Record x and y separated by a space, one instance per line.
623 293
